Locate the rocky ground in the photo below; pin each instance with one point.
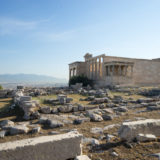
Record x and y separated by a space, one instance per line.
115 123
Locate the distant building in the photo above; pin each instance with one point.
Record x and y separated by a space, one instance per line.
108 70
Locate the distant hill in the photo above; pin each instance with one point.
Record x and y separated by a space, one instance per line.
29 79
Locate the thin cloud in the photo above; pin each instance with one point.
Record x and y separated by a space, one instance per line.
11 26
52 36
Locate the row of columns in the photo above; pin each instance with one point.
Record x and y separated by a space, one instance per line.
122 70
95 68
72 72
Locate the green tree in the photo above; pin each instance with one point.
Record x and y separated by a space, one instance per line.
80 79
1 87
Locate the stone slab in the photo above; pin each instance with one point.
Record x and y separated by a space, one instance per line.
129 130
55 147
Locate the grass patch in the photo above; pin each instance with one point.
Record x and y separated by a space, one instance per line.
125 95
41 99
4 104
5 112
76 97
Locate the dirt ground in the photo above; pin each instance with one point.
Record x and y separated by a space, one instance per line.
138 151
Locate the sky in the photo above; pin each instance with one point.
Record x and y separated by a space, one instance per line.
44 36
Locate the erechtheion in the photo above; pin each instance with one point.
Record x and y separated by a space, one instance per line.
108 70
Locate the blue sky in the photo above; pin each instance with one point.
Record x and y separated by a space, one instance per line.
43 36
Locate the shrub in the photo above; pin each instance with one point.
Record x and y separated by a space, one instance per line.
1 87
80 79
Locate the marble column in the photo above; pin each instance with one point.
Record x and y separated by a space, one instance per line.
131 71
125 70
119 71
75 71
100 68
108 70
111 73
70 72
96 75
91 69
113 70
88 69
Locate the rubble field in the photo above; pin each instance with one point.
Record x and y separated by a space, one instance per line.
122 123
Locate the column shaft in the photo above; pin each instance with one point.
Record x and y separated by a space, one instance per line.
96 69
119 70
100 69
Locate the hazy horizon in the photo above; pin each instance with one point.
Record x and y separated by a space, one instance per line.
32 74
43 37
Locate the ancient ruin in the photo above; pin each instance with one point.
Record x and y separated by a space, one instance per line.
79 124
108 70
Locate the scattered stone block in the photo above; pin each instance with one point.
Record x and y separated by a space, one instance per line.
68 100
36 130
144 100
2 134
130 130
61 147
157 155
25 98
90 141
62 98
54 110
153 108
114 154
121 109
108 110
3 93
107 117
46 109
75 109
145 137
96 118
82 157
81 120
53 133
18 129
81 107
110 126
96 130
102 106
65 109
54 123
109 137
7 123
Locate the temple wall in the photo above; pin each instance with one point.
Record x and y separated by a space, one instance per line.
77 68
81 69
144 71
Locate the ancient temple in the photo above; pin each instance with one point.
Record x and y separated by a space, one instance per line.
108 70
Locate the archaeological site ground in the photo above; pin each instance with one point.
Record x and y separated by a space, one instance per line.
118 123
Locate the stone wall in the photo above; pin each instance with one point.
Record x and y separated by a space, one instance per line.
57 147
144 71
77 68
81 69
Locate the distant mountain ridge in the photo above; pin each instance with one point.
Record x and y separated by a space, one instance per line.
29 78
